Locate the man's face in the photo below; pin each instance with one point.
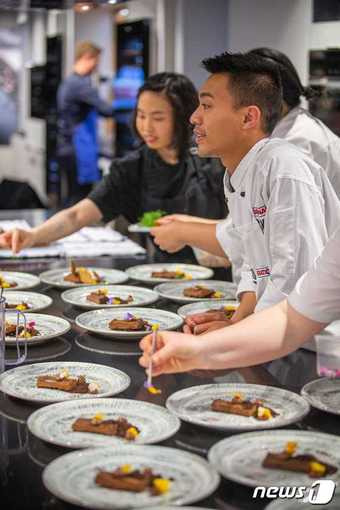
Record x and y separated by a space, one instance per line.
91 62
217 123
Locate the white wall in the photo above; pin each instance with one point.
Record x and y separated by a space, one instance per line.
282 25
201 31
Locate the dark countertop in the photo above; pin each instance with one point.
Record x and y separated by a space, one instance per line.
23 456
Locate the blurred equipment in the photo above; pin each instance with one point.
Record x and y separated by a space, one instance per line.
132 69
324 76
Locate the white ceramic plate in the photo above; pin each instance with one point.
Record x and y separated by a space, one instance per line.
193 405
53 423
20 382
141 297
174 291
23 280
324 394
204 306
143 272
136 228
97 321
36 301
300 504
55 277
49 327
71 476
239 458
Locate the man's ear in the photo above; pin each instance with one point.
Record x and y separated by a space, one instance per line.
252 117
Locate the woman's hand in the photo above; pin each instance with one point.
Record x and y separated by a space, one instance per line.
16 240
175 352
168 236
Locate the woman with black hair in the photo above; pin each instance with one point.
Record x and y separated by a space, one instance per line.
297 125
161 174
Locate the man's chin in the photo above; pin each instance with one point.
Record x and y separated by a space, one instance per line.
205 152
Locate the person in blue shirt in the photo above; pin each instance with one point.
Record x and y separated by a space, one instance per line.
78 107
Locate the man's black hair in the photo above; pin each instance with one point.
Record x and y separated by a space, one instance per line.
182 95
252 81
292 88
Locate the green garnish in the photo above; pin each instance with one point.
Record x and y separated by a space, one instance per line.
149 218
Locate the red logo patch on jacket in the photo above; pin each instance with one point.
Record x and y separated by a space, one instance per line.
262 272
260 214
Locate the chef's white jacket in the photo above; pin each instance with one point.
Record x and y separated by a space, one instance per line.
317 293
282 211
315 139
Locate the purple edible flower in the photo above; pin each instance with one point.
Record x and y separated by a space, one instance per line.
147 384
31 324
327 372
128 316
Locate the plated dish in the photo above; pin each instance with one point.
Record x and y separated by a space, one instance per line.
110 296
40 328
158 273
228 306
63 279
277 457
102 422
12 280
191 292
58 381
103 478
127 323
26 301
214 406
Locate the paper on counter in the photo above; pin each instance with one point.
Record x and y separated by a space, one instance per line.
11 224
52 250
93 234
95 249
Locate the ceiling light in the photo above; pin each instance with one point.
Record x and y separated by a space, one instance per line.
124 12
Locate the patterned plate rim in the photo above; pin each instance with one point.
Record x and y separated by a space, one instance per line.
36 279
153 296
148 405
181 310
185 299
126 380
239 478
44 277
42 338
28 294
317 404
48 477
209 273
242 387
126 334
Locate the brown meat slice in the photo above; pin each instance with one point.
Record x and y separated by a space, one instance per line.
198 292
171 275
245 408
98 297
71 385
128 325
128 482
106 427
297 463
14 305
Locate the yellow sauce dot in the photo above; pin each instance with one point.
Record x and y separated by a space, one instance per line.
126 468
162 485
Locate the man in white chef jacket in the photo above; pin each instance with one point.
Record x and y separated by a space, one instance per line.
282 206
299 126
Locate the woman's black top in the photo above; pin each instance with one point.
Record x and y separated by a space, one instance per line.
142 181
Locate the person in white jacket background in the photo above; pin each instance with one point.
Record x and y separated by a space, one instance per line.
297 125
282 205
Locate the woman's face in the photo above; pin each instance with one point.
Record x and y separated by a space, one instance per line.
154 120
